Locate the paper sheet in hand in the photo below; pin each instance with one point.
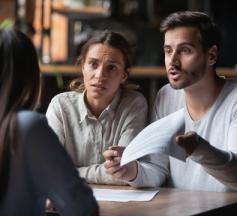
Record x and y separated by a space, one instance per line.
123 195
157 137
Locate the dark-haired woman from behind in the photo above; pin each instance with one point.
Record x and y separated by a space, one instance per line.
33 164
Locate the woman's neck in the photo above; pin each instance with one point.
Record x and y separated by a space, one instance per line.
97 105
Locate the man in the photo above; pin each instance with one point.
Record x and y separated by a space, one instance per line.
191 46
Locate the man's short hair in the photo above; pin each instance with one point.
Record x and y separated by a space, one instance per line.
209 31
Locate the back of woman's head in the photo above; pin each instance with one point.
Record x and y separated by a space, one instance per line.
19 72
19 89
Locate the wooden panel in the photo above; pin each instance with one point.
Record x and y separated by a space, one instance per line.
7 9
135 71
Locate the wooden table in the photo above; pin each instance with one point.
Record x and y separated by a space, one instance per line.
171 202
174 202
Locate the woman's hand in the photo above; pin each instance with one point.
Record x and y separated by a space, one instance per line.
112 157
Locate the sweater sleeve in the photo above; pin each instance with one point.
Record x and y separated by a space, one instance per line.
50 170
153 170
219 163
134 119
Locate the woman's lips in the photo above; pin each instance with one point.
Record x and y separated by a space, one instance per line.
98 86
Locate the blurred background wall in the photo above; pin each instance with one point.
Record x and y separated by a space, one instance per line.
58 28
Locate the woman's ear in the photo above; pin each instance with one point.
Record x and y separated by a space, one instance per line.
212 55
125 77
82 68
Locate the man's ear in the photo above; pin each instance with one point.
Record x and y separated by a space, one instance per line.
212 55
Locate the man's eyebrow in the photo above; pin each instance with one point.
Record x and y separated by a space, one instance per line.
180 45
186 44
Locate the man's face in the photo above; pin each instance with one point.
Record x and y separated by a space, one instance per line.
185 59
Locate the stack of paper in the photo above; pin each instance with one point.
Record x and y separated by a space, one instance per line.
123 195
158 137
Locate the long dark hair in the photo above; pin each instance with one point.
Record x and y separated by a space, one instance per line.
19 89
112 39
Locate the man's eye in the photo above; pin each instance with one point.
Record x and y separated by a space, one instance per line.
185 50
167 51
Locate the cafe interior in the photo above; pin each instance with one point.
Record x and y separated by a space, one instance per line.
58 28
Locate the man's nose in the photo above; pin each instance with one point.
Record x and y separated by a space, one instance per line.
174 60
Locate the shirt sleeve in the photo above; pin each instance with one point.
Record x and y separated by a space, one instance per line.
96 173
55 120
220 164
135 119
51 172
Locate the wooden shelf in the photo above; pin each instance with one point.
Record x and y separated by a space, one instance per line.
74 15
89 10
135 71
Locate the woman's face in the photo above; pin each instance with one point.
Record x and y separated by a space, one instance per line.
103 72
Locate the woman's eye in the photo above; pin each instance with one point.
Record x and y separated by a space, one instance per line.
93 64
112 67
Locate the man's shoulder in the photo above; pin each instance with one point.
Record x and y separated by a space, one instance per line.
168 100
168 90
230 89
133 96
167 95
232 83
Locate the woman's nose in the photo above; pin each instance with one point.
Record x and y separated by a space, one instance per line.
99 72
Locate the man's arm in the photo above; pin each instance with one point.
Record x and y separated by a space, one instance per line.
220 164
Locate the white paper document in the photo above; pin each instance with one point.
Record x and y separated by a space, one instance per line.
158 137
123 195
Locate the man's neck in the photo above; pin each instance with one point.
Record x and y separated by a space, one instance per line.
201 96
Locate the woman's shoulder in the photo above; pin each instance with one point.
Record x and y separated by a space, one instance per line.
65 97
133 95
28 119
33 128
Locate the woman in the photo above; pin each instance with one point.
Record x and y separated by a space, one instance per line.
33 164
101 111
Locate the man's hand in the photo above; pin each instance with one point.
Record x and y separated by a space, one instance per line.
112 164
189 141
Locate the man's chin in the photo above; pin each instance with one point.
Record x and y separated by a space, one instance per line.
175 86
178 86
